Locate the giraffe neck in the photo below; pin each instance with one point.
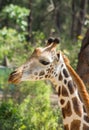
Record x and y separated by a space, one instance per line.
74 114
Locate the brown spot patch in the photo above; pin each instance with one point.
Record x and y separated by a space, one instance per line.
41 73
52 71
46 76
66 127
60 77
55 75
85 127
62 101
71 87
51 65
65 81
86 118
64 92
65 73
75 125
49 76
35 73
74 84
48 70
67 110
76 106
84 109
61 65
36 78
59 91
40 77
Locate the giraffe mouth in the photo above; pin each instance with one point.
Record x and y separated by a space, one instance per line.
15 76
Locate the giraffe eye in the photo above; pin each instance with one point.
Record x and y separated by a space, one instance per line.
44 62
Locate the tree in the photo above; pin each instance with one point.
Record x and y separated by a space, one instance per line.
78 17
29 21
81 17
83 60
73 24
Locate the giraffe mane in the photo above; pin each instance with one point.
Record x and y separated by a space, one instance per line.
81 87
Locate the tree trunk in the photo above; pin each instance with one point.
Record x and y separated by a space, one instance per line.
29 30
81 16
73 25
57 18
83 60
0 4
57 14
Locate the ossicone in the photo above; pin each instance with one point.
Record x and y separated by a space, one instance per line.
56 40
53 40
50 41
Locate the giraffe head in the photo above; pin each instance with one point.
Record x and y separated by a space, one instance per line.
42 64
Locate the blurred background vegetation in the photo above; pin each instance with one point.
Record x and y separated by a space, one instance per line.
25 25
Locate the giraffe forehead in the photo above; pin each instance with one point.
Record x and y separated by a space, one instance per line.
46 56
43 51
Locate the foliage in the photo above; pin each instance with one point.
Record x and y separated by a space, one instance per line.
11 42
34 113
16 16
37 111
10 117
3 77
71 51
40 17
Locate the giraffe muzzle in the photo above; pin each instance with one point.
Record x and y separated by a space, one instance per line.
15 76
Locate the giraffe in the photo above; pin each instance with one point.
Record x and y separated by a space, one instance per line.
48 64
